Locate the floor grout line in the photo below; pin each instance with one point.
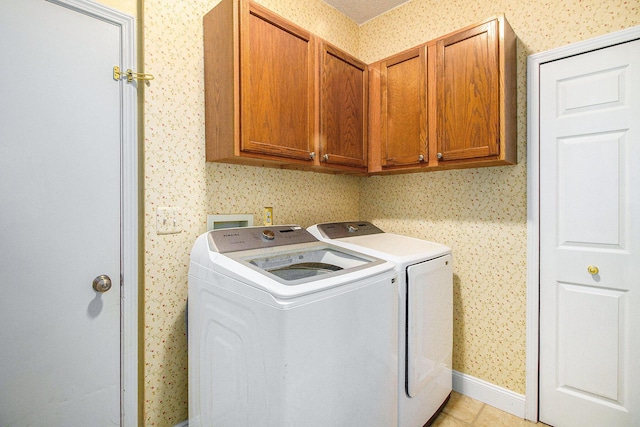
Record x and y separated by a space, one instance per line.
478 414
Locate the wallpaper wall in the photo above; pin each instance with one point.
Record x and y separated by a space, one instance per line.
481 213
175 174
130 7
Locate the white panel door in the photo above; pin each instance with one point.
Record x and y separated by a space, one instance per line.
590 238
60 134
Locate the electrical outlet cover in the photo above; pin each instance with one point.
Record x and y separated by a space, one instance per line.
267 219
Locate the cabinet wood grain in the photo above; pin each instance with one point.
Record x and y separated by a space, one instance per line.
278 96
277 84
403 82
475 85
343 109
468 93
468 119
260 73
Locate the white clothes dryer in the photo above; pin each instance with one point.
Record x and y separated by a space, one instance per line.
285 330
425 284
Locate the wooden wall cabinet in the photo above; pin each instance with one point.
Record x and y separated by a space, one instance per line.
259 86
276 95
343 95
475 82
461 113
399 100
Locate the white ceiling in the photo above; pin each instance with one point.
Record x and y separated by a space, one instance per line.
363 10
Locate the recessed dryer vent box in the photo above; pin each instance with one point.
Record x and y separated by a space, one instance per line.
216 222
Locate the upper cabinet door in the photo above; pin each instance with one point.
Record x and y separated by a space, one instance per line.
277 71
448 103
276 95
467 81
343 109
403 109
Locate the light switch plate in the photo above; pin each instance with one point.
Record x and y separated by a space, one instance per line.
168 220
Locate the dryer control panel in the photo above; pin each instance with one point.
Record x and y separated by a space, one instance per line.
340 230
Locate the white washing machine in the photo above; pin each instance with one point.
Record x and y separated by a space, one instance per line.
425 282
285 330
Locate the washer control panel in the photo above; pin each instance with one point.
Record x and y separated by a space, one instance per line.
246 238
340 230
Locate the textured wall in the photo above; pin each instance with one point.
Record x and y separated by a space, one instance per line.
175 174
480 213
539 24
129 7
303 198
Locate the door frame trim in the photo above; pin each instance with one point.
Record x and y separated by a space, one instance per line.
129 218
534 62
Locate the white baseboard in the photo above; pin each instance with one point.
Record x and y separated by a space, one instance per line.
491 394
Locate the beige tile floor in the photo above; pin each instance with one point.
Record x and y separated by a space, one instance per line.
463 411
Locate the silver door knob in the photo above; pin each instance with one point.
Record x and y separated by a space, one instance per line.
102 283
421 158
325 157
439 156
312 155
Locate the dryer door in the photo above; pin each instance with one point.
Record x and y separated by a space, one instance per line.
429 322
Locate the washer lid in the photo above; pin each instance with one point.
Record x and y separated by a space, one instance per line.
300 264
340 230
285 261
397 246
369 239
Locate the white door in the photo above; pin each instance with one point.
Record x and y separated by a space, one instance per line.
60 198
590 238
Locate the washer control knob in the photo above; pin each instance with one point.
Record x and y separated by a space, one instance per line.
268 235
352 228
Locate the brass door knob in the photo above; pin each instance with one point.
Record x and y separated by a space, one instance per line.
102 283
593 270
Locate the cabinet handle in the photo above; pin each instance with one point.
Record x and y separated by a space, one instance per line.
325 157
312 155
593 270
439 156
421 158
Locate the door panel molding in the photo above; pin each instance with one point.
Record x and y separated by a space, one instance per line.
129 204
534 62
